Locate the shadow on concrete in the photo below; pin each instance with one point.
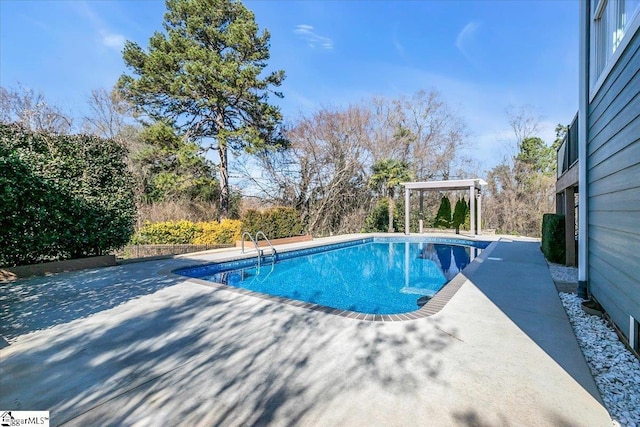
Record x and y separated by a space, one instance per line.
516 278
471 418
28 305
193 355
148 349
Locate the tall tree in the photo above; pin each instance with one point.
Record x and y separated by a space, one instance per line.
205 75
521 188
173 167
539 157
524 120
324 172
387 176
110 116
420 129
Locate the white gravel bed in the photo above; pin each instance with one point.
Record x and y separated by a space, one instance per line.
615 369
561 273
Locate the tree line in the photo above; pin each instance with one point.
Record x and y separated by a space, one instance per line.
196 106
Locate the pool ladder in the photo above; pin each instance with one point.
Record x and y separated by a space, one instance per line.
274 253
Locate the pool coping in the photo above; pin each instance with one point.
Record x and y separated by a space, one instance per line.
433 306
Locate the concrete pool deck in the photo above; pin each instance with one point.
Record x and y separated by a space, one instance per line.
136 345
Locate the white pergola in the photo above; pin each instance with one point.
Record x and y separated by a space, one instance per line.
473 185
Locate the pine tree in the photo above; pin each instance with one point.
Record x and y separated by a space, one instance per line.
205 76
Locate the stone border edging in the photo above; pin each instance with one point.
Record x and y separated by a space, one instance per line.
10 274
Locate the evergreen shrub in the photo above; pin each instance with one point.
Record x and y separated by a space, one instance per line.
186 232
275 222
166 233
443 217
226 231
63 196
459 214
378 219
553 238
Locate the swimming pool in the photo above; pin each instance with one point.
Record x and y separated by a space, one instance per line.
374 276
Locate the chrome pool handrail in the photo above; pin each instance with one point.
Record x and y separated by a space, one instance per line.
273 250
250 238
260 252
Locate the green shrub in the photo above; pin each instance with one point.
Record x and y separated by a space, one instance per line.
459 214
553 238
443 217
378 218
186 232
166 233
275 222
63 196
212 232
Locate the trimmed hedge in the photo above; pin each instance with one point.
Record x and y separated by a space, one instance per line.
553 238
187 232
166 233
63 196
225 231
276 222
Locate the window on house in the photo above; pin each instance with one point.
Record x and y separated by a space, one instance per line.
611 20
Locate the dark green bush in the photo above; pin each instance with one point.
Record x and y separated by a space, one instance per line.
276 222
553 238
378 218
443 217
63 196
459 214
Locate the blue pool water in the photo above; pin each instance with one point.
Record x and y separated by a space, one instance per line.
375 276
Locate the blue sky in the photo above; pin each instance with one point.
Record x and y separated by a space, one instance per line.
482 56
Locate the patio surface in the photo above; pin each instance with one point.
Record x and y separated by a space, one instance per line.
137 345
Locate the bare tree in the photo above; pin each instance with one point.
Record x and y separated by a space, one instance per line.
421 130
524 120
30 109
325 172
110 115
521 187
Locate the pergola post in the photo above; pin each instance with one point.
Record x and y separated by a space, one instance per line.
421 215
472 208
406 210
479 212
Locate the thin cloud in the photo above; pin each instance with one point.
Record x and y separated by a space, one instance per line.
398 46
465 39
113 41
312 38
108 39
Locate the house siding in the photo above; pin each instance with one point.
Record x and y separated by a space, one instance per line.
613 176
